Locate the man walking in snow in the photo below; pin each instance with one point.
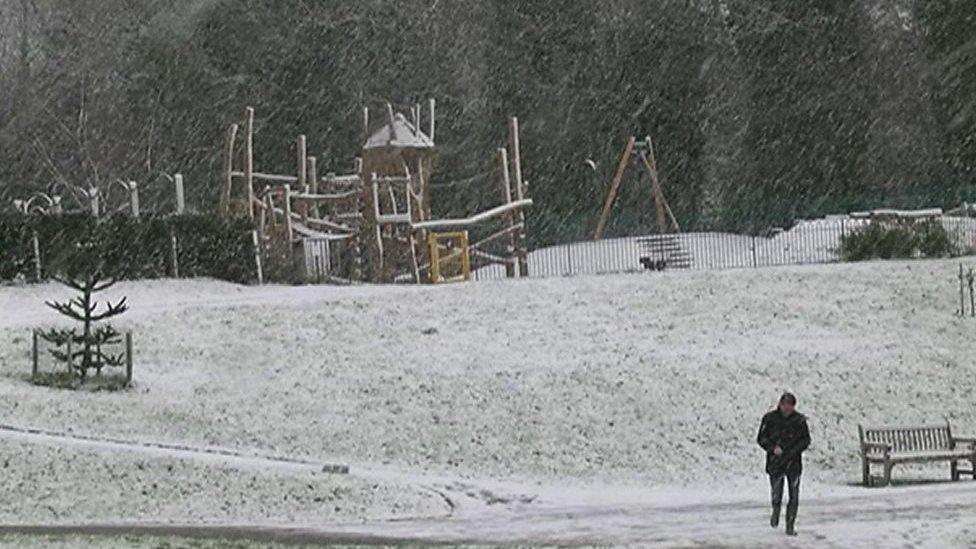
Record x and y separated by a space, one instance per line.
784 435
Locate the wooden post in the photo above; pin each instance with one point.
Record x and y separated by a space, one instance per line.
377 256
302 162
505 186
224 207
289 234
313 177
36 245
269 203
962 292
971 280
34 355
249 160
433 104
173 254
133 198
93 196
414 263
128 358
180 197
355 244
263 219
614 187
257 257
365 125
516 155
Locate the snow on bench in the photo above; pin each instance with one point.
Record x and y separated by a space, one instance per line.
920 444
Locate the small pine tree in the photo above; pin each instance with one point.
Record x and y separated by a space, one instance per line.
85 351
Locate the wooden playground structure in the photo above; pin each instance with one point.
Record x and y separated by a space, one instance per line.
374 224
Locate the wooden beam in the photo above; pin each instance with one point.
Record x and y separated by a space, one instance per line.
315 198
267 177
661 204
473 220
614 187
497 235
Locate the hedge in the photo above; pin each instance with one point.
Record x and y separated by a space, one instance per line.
129 248
897 240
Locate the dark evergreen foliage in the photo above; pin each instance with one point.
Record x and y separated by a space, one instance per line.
762 110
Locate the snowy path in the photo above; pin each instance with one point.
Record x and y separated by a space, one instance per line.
933 517
506 512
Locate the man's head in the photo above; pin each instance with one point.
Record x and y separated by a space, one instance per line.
787 404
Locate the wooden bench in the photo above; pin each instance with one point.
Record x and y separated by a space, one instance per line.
921 444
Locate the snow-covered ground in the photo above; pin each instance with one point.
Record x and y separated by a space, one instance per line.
569 390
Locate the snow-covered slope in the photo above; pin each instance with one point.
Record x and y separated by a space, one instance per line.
657 376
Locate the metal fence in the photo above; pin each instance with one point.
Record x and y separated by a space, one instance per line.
808 242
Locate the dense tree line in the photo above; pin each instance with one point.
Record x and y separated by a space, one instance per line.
761 110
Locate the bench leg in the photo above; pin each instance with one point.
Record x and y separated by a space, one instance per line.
887 473
866 472
954 470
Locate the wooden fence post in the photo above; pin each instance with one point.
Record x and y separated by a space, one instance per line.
180 197
173 254
257 257
37 255
128 358
34 356
134 199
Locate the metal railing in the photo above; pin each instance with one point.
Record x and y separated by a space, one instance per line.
808 242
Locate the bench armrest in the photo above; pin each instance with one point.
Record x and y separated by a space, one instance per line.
965 441
875 447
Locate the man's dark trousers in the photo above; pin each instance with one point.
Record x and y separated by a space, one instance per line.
791 479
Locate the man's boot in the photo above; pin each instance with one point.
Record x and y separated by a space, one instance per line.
790 522
774 519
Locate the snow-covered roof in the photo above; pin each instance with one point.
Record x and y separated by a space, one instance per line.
402 134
